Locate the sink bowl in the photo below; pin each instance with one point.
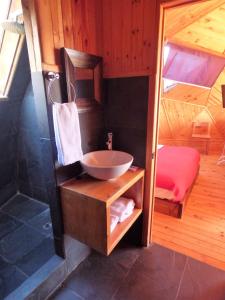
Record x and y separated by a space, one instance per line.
106 164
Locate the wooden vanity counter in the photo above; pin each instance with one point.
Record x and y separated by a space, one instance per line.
86 208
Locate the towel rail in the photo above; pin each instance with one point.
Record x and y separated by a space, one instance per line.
52 77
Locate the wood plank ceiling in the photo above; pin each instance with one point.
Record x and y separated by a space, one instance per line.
199 26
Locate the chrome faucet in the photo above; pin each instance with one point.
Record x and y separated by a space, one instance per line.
109 141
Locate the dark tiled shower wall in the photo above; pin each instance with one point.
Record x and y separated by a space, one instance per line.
30 169
9 128
125 112
20 148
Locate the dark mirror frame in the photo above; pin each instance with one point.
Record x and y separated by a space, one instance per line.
76 59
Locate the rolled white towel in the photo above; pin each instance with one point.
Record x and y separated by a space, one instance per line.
125 215
113 222
123 208
123 203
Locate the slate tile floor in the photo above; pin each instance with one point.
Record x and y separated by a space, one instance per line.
25 241
153 273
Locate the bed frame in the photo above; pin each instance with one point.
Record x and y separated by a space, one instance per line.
174 209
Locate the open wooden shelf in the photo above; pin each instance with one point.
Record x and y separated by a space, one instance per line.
121 229
86 208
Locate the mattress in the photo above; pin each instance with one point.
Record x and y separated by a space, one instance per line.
176 170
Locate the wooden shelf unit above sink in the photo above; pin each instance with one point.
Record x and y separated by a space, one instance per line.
86 208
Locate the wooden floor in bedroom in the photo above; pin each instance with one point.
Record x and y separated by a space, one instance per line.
201 231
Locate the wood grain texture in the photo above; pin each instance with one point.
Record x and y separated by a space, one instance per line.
185 104
178 18
31 30
200 233
68 23
198 26
206 32
128 28
105 191
86 208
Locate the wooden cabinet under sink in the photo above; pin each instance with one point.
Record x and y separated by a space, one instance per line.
86 208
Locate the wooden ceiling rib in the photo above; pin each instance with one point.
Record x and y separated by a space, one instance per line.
207 33
179 18
202 27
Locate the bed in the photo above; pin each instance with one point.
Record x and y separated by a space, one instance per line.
176 171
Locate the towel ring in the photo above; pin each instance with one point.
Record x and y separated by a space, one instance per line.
51 76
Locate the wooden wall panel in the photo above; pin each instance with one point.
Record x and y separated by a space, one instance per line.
68 23
127 36
165 130
175 127
49 17
82 24
119 30
215 104
188 93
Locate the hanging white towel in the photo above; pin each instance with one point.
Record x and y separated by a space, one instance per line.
123 208
67 133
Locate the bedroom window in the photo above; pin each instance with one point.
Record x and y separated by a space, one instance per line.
168 84
10 42
189 66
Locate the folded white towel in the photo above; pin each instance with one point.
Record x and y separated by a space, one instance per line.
67 133
123 203
123 208
113 222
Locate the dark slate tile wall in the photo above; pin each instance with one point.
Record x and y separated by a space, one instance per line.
20 147
30 172
47 153
125 111
9 128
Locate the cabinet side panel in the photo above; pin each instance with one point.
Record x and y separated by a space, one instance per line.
85 219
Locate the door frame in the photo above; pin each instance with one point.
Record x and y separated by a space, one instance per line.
153 111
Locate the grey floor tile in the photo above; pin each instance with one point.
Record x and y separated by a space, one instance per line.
201 282
7 224
155 275
10 278
97 278
66 294
31 262
23 208
42 223
19 243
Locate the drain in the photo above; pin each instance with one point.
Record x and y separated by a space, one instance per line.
47 226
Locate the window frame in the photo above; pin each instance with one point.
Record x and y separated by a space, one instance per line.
12 68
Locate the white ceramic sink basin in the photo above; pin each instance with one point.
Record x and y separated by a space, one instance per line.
106 164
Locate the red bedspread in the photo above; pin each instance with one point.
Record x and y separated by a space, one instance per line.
176 169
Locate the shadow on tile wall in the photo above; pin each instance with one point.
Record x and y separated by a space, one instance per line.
9 128
30 169
21 162
125 111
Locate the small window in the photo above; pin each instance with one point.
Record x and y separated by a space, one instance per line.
10 42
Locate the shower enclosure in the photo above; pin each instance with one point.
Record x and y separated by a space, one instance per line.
26 239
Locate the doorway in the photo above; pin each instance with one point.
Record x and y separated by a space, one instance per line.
199 233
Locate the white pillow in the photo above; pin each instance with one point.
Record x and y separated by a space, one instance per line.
159 146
